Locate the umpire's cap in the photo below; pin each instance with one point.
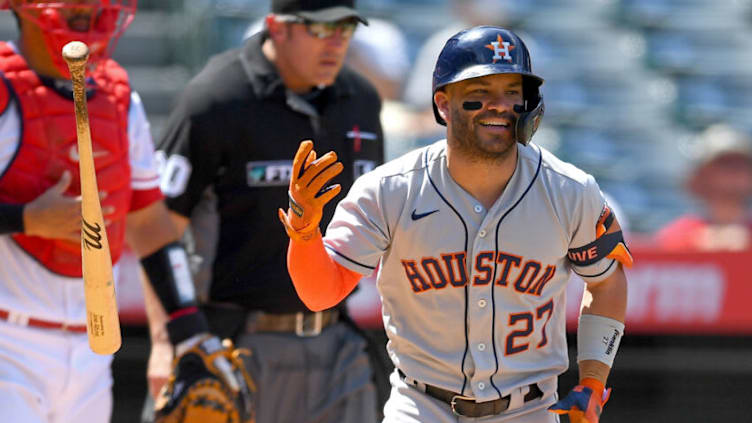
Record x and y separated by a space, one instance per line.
489 50
318 10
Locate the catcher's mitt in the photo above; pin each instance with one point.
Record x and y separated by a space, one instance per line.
209 383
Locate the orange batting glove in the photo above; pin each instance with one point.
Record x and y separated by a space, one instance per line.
307 193
584 403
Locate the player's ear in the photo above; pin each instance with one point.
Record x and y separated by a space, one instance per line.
441 100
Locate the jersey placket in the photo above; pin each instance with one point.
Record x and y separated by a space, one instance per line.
481 357
480 313
484 296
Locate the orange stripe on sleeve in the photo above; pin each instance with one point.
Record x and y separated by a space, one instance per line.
321 282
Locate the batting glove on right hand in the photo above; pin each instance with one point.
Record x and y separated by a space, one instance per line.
307 193
584 403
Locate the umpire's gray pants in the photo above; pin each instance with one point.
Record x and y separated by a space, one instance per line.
320 379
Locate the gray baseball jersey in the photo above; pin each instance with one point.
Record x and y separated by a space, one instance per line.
473 299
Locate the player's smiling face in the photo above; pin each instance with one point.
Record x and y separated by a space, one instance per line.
480 114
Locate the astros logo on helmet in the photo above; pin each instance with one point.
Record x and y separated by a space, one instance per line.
506 47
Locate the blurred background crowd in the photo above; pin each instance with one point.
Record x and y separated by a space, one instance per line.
652 97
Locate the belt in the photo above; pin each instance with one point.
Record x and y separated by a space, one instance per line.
23 320
303 324
467 406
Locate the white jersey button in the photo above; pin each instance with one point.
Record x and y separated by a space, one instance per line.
482 303
481 386
481 347
478 208
482 233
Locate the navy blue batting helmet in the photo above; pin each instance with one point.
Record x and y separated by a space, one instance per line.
489 50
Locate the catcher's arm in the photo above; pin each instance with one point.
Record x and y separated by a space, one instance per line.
602 317
159 366
148 230
154 233
320 282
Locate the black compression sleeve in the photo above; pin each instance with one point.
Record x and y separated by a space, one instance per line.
11 218
169 274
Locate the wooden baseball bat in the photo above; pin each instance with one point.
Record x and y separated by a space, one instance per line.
102 322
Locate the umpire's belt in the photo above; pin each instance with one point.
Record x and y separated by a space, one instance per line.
301 323
466 406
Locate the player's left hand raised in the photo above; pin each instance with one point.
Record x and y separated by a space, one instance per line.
584 403
308 191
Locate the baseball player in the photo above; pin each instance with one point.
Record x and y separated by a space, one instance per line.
48 374
474 238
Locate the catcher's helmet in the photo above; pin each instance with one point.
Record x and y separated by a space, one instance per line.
107 20
489 50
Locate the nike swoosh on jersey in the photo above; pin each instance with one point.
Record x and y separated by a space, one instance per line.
417 216
74 156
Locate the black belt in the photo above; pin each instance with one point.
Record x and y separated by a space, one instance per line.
467 407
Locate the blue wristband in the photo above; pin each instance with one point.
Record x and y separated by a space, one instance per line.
11 218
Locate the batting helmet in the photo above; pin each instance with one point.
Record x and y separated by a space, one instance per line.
489 50
105 22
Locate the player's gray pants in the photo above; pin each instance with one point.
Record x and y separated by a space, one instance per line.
407 404
321 379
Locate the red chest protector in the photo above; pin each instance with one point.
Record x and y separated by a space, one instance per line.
48 147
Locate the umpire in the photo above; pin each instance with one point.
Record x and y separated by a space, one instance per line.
227 166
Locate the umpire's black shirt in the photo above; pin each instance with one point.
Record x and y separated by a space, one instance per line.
229 145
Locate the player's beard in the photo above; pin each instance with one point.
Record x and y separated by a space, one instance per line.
465 139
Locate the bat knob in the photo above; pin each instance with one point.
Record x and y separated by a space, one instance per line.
75 52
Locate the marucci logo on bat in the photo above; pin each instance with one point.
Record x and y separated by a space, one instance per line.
92 236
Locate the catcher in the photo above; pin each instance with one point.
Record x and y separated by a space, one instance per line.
48 372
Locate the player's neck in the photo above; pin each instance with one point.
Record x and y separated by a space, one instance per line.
484 180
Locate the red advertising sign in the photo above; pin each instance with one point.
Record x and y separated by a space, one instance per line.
690 293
